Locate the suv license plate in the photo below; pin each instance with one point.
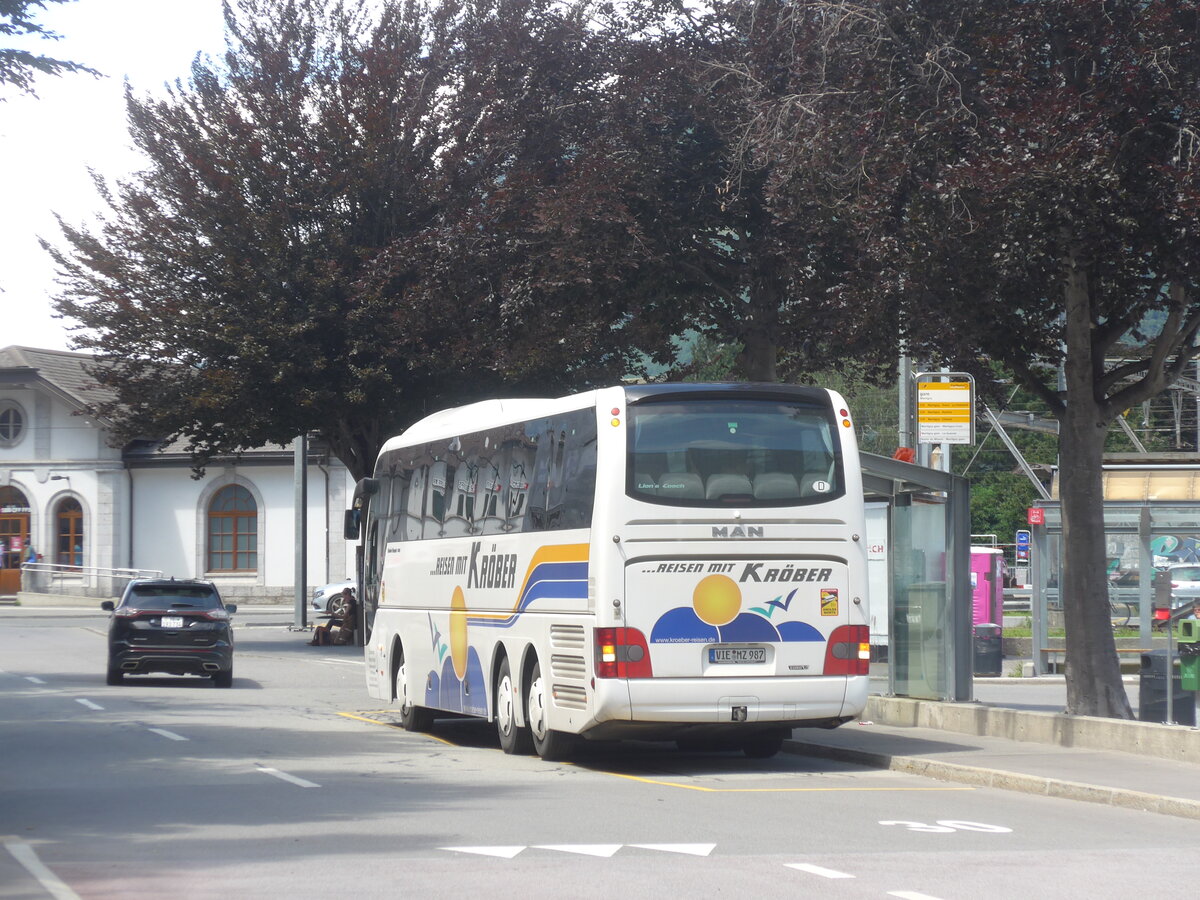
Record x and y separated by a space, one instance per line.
172 622
737 654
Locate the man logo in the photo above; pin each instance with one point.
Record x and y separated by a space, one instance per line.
737 531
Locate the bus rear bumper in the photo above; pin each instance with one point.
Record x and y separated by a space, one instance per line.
683 707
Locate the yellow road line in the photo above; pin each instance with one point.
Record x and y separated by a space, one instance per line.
709 790
391 725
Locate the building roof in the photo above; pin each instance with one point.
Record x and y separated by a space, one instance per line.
63 371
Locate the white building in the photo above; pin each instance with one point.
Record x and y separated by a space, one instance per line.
92 508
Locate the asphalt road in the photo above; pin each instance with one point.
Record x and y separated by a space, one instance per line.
293 784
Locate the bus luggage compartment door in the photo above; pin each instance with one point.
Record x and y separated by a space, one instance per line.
737 617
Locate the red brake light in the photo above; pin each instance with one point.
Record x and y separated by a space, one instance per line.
622 653
848 651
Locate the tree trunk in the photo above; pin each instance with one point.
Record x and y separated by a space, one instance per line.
1094 686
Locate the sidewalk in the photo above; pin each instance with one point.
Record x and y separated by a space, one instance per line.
1157 767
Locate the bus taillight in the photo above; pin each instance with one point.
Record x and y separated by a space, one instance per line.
622 653
848 651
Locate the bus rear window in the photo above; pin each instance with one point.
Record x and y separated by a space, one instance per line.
732 452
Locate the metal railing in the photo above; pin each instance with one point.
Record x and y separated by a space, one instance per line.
80 581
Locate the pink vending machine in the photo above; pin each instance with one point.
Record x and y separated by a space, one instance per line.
987 586
987 609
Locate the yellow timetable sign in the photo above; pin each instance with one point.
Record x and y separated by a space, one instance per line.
945 412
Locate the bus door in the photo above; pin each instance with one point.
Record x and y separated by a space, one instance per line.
739 616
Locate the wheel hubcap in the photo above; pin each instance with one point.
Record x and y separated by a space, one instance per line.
402 689
537 709
504 705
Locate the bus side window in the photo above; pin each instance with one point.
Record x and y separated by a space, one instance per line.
579 470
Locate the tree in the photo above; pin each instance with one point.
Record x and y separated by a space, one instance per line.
20 67
1030 172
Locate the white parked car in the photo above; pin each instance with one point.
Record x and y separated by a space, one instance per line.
1185 582
326 597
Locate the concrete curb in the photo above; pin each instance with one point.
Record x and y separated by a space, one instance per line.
1009 781
1178 743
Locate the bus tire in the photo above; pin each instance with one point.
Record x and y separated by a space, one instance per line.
412 717
550 745
763 746
513 737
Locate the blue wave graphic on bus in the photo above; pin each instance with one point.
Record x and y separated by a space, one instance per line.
716 616
560 580
449 692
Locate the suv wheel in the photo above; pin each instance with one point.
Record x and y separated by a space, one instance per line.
115 676
224 679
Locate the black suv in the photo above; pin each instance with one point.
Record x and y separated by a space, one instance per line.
164 625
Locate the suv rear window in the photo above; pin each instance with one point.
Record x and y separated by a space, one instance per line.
732 452
168 596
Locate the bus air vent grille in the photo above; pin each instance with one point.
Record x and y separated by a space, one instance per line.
567 637
568 667
570 696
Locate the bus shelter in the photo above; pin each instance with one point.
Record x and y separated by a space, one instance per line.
1152 549
922 579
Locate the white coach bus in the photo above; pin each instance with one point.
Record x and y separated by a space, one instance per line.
666 561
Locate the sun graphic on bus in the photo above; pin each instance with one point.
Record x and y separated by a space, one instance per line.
459 687
716 616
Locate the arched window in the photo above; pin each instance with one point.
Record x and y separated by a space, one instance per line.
68 531
12 423
232 531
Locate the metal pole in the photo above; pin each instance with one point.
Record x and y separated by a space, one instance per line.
300 619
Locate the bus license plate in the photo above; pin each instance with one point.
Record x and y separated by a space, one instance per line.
737 654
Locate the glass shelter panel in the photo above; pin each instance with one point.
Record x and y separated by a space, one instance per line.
921 628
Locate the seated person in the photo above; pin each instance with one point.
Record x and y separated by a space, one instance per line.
344 622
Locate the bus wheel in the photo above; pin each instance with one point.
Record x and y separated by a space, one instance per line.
412 717
764 746
513 738
550 745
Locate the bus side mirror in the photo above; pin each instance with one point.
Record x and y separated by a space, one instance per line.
350 525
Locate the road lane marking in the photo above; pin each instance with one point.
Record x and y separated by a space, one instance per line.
690 849
911 895
25 855
502 852
781 790
169 734
602 850
88 703
341 662
359 718
34 679
818 870
284 776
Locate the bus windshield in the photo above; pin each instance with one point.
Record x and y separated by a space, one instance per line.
732 452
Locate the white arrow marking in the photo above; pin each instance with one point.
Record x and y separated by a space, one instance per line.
502 852
910 895
604 850
817 870
55 886
88 703
690 849
168 734
284 776
34 679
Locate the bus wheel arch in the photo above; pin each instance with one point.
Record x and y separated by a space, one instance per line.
549 744
413 717
511 727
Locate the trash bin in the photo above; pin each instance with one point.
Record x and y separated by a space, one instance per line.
989 649
1152 692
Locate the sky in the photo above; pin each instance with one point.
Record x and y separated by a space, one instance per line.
48 143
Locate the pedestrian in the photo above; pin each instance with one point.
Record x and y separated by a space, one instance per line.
323 635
